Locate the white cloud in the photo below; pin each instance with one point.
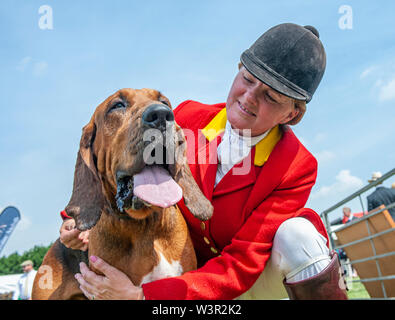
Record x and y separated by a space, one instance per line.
40 68
324 156
367 71
22 65
343 186
387 91
378 83
23 224
326 196
382 77
320 137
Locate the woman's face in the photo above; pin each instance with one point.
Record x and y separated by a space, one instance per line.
252 105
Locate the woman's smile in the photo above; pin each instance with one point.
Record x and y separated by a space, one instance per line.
245 111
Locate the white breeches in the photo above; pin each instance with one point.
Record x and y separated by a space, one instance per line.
299 252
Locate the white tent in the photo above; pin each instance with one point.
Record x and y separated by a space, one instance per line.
8 283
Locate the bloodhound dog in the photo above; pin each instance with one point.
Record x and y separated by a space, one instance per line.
131 171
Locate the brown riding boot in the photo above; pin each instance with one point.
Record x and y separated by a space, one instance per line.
329 284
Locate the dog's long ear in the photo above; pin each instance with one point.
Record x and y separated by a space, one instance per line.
87 200
194 199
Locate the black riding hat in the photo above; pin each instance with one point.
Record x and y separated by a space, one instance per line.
289 58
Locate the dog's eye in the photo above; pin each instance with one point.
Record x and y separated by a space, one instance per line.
117 105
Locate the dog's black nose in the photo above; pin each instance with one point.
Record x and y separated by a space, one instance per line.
157 116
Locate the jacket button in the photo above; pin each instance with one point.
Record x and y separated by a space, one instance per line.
214 250
202 226
206 240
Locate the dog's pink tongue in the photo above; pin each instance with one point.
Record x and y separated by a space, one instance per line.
155 186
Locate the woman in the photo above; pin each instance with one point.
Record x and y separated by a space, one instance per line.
260 240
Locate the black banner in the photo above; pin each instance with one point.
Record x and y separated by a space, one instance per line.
9 218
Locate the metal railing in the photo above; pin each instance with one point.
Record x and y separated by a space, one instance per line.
324 215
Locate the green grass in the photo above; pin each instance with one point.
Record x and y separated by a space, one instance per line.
356 290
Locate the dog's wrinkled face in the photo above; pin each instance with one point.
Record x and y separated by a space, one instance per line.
119 145
132 159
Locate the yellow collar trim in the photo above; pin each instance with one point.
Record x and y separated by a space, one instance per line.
263 148
216 126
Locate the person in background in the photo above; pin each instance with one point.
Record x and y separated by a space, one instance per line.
25 282
381 195
348 216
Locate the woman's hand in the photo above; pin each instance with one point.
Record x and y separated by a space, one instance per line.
114 285
73 238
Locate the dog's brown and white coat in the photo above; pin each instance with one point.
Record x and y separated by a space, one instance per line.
145 241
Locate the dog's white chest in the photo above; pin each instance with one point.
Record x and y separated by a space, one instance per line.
164 269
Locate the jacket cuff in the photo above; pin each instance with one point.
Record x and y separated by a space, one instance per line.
165 289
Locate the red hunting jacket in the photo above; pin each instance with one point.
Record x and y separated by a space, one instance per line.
234 246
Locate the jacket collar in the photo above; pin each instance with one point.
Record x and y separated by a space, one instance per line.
208 165
263 148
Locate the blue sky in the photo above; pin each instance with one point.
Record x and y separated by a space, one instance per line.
51 81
